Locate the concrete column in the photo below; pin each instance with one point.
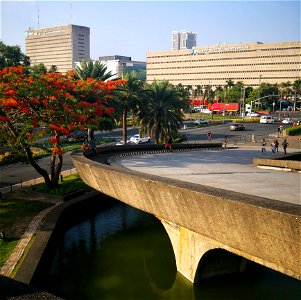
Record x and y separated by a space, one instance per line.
198 256
188 249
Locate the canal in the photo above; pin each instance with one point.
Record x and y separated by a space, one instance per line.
109 250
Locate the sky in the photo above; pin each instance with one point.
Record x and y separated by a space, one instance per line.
131 28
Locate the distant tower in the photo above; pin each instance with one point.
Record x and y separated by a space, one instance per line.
183 40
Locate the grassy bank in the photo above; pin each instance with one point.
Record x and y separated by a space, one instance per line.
17 209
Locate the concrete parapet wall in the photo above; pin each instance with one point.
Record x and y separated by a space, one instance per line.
278 163
259 229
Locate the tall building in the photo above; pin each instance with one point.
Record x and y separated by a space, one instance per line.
119 65
183 40
61 46
251 63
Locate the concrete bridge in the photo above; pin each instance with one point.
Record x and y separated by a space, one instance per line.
213 231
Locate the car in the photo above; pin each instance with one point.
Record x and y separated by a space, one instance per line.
252 114
77 136
200 122
205 111
137 139
237 127
122 143
287 121
266 120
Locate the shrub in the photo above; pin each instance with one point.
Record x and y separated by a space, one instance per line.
293 131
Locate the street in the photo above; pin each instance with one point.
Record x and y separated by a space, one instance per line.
15 173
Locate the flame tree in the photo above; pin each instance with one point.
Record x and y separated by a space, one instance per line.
49 105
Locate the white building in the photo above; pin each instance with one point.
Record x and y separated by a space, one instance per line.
61 46
119 65
184 39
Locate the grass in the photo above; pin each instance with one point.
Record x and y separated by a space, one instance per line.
70 183
16 212
15 215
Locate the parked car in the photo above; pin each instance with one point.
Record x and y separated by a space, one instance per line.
200 122
252 114
137 139
266 120
122 143
237 127
77 136
287 121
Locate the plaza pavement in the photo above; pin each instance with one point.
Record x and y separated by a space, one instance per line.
229 169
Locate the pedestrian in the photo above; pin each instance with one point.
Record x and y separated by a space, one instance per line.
92 146
85 144
279 130
168 144
225 141
209 135
273 147
276 146
263 146
284 145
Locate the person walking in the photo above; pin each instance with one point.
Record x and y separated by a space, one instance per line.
225 141
276 146
284 145
273 147
209 135
168 144
263 146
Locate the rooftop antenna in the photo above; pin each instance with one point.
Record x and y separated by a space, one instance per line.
38 14
71 16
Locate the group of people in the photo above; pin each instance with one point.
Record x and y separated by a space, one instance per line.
274 146
89 145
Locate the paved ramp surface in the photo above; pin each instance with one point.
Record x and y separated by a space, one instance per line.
229 169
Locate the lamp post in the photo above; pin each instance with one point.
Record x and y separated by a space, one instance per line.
243 92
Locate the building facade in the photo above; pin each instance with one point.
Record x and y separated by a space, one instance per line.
182 40
251 63
61 46
119 65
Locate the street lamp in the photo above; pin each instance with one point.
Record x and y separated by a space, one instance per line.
273 106
243 92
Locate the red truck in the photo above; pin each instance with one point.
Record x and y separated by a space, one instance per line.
229 107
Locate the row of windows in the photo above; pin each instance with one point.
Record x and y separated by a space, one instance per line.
253 50
228 66
228 72
212 80
218 59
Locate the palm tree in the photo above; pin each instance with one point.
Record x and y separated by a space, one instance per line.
129 97
96 70
164 116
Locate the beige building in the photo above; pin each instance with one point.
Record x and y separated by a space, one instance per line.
61 46
251 63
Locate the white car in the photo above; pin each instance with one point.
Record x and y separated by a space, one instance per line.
137 139
200 122
266 120
252 114
287 121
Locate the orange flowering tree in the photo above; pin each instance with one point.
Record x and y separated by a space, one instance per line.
51 105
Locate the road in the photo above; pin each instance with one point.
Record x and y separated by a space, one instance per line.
16 173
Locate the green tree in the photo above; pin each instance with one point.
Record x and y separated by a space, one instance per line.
11 56
129 97
96 70
164 116
39 69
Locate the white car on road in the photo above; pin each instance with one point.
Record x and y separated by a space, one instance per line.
137 139
287 121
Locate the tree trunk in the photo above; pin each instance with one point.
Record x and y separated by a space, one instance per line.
40 170
31 160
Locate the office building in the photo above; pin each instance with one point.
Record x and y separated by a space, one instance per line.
251 63
61 46
119 65
183 40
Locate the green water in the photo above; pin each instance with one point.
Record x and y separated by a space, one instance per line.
119 252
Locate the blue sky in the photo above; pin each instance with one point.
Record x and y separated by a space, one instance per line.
132 27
